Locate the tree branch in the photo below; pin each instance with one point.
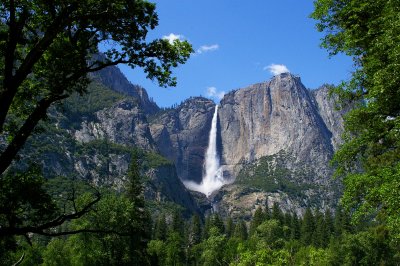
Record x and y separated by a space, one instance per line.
101 66
12 81
10 231
30 123
20 260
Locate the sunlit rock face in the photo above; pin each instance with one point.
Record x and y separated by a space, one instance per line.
274 116
295 129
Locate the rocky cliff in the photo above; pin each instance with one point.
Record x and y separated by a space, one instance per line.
181 135
92 137
277 139
279 115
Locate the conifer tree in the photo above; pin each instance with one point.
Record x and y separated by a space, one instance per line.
217 222
207 226
240 230
320 236
277 213
230 227
329 222
294 227
177 224
307 227
267 211
140 230
195 230
258 218
160 229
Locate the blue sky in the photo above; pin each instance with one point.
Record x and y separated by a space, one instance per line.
236 41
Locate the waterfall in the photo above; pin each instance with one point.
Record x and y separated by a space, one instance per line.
213 178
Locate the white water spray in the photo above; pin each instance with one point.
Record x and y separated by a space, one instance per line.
213 178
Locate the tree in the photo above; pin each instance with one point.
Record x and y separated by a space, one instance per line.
195 230
369 159
294 227
258 218
140 229
213 248
177 224
230 227
216 221
271 231
240 230
321 233
47 50
277 213
307 227
160 229
27 207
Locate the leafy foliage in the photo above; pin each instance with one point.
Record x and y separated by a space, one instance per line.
369 159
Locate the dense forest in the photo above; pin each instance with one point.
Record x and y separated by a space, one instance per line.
46 56
127 231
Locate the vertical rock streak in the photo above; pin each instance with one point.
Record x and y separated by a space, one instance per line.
212 178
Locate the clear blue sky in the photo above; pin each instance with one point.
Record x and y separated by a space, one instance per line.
236 41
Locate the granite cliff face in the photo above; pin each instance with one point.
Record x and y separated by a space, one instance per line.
332 117
93 137
123 123
277 139
274 116
181 135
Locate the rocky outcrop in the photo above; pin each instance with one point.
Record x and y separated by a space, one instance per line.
278 138
112 78
181 135
270 117
240 202
327 108
124 123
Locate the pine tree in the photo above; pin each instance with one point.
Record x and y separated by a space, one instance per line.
160 229
319 236
230 227
294 227
240 231
207 226
140 229
267 211
277 213
217 222
307 227
195 231
258 218
329 222
177 224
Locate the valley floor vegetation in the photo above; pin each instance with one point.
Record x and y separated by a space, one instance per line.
124 233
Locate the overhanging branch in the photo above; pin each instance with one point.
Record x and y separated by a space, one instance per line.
41 229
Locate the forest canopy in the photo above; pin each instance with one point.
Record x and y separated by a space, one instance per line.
369 160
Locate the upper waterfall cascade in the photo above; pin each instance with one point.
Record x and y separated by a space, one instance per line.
213 176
